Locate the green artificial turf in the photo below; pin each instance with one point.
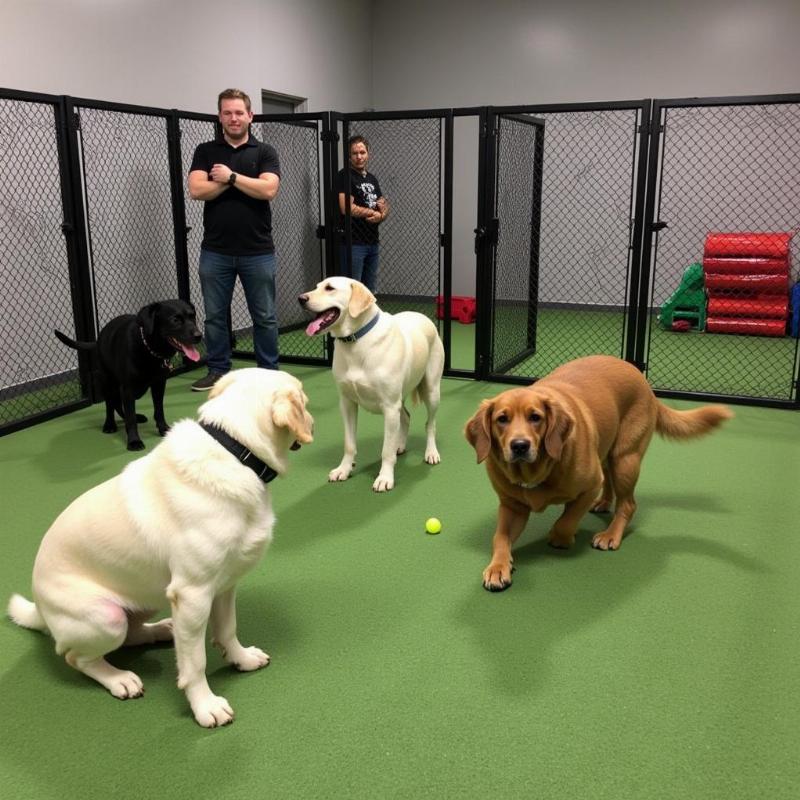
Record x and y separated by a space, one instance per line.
668 669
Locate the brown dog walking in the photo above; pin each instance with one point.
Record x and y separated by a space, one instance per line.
576 437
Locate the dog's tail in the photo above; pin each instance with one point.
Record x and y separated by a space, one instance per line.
73 344
25 613
689 424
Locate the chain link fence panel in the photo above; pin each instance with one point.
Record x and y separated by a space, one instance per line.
720 319
37 373
585 259
296 215
406 156
517 208
126 170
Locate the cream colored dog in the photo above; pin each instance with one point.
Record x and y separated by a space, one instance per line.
379 359
182 524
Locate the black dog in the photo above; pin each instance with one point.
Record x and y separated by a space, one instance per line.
134 353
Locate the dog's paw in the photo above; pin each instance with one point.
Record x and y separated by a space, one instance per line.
136 444
605 541
141 418
249 659
163 430
601 507
383 483
125 685
339 474
432 456
497 577
212 711
109 427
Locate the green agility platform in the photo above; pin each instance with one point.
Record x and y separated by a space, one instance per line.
687 302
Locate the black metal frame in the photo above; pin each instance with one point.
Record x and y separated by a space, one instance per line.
643 243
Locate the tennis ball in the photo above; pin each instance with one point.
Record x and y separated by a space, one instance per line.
433 525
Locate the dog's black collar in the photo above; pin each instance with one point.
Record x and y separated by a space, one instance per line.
264 471
165 360
354 337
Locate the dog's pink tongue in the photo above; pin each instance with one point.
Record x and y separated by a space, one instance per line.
314 326
190 352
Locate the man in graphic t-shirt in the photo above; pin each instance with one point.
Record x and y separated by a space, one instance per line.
368 208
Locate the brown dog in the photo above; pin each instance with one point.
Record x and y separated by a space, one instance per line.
576 437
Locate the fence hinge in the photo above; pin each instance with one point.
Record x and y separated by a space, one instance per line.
320 231
442 240
329 136
77 117
658 226
648 128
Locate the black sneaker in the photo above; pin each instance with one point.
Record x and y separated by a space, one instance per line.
205 383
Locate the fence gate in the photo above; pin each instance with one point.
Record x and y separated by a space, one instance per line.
559 235
507 237
722 250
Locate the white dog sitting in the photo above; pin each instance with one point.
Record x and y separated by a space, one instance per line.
182 524
379 359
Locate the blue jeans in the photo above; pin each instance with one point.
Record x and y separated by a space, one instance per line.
365 264
217 279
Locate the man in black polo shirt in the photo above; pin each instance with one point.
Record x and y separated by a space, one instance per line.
236 177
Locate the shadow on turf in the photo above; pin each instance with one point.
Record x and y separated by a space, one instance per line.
346 504
42 691
559 594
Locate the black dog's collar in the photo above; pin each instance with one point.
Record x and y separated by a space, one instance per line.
235 448
354 337
166 360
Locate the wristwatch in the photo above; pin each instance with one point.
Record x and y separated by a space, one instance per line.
232 179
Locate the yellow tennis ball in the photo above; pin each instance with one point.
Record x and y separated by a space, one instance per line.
433 525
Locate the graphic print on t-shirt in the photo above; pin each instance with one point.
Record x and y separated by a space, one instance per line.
369 194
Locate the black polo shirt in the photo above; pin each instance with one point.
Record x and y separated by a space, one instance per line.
235 224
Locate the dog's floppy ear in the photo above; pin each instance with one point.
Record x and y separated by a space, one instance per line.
146 318
559 425
478 430
361 299
289 411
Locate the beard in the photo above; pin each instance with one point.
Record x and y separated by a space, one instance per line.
236 134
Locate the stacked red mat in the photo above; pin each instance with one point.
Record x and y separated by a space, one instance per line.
747 280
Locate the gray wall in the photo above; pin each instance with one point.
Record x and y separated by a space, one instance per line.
181 53
470 52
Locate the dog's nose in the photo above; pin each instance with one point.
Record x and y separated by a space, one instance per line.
519 447
303 299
